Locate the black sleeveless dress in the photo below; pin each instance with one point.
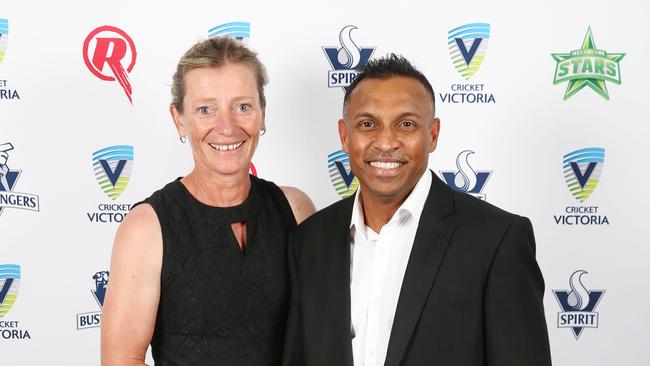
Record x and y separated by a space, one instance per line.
220 305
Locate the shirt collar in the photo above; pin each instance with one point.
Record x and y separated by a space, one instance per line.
413 205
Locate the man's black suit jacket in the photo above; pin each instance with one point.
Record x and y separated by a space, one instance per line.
471 296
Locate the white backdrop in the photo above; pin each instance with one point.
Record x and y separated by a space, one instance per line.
61 113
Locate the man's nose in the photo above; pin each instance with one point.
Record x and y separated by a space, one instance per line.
387 140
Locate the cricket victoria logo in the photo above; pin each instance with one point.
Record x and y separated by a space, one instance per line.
9 284
343 179
240 31
467 48
582 170
112 166
5 92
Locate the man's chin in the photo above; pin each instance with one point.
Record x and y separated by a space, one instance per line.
384 192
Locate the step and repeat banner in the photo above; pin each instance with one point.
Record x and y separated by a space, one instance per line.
543 109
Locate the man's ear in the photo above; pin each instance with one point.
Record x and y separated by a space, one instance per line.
343 135
177 121
435 131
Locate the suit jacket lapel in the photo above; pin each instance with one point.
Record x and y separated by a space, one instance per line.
429 246
337 240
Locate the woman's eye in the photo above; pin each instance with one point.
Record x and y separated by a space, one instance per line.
244 107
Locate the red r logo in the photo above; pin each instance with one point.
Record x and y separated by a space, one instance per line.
112 47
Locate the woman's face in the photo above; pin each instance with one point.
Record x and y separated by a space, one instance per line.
222 118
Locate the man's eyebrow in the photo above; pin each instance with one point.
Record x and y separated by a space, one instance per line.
402 115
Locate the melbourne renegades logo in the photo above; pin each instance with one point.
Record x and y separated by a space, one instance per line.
112 47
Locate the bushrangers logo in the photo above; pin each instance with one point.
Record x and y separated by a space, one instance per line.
94 319
578 305
4 37
238 30
343 179
112 47
466 179
9 284
112 166
582 170
8 179
347 60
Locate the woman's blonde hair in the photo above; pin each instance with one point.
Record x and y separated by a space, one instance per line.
216 52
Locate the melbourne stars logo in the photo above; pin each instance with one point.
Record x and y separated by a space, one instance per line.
238 30
465 178
467 47
343 179
578 305
587 66
112 166
5 92
582 169
9 285
94 319
8 178
347 60
110 54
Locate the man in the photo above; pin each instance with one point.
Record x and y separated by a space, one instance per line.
407 271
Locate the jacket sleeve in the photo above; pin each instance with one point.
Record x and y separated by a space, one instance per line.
515 325
294 343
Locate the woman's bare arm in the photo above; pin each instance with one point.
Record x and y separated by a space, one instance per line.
131 304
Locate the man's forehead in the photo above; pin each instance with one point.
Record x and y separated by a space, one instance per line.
391 90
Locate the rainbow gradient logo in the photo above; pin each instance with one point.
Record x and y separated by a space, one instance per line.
343 179
582 170
4 37
112 166
238 30
9 283
467 47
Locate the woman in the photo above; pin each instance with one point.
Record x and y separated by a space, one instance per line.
199 268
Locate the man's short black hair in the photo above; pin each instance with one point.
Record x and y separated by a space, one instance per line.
388 66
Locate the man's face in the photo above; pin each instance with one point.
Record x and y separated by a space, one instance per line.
389 130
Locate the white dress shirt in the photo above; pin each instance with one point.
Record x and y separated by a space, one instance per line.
377 269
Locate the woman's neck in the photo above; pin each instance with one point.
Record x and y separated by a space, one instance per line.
218 190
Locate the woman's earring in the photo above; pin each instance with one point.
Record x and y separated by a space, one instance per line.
183 138
263 131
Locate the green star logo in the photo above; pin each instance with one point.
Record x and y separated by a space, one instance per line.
587 66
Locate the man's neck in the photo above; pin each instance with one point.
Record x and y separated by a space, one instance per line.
378 212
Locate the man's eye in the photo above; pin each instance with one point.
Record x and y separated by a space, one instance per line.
203 110
407 124
366 124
